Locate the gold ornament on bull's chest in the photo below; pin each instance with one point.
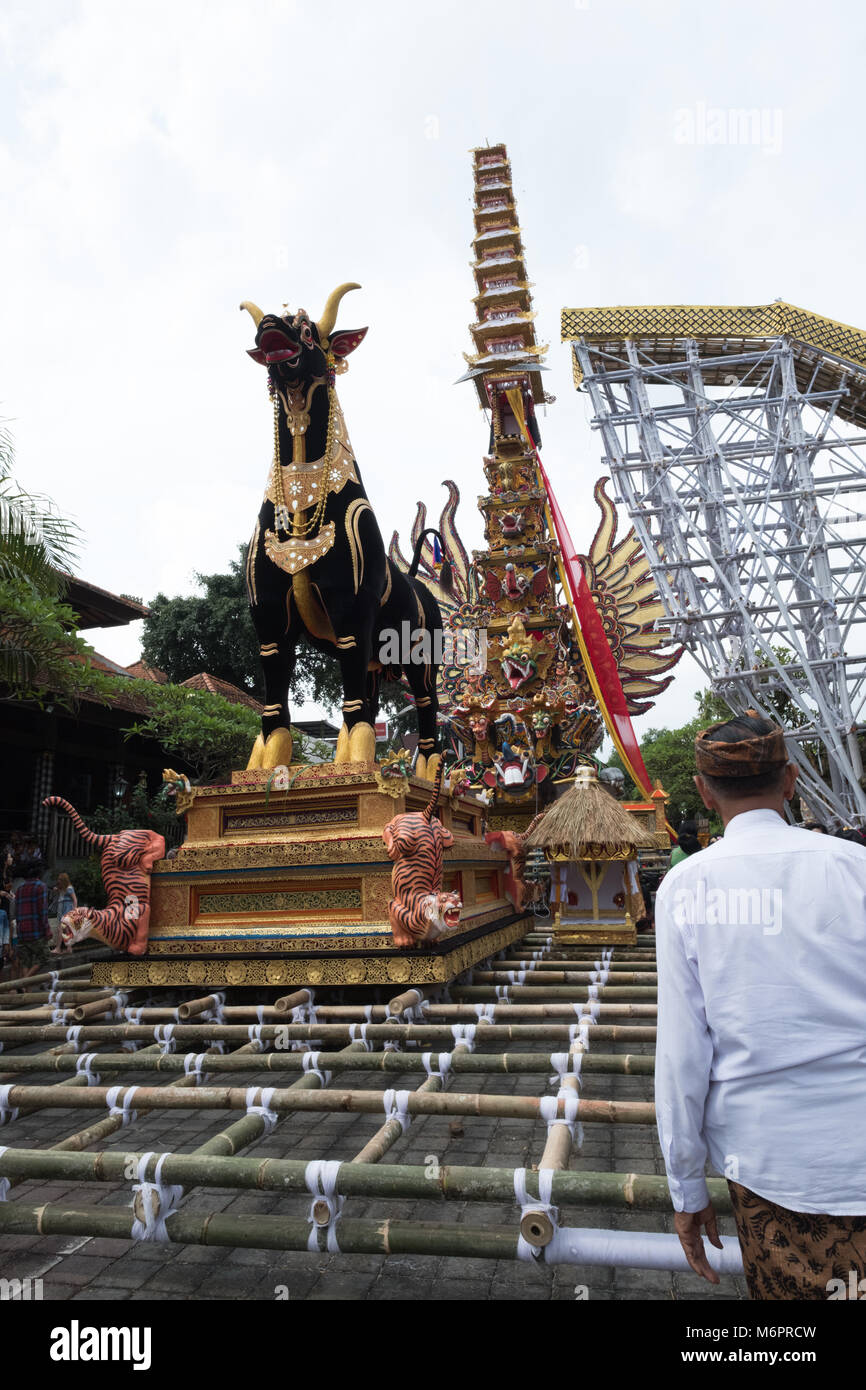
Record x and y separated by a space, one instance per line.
299 491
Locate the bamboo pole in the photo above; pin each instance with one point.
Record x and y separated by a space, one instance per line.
462 1062
25 982
561 977
457 1183
487 993
528 1025
345 1101
287 1002
192 1007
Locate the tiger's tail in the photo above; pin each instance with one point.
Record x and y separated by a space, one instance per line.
533 823
430 808
98 841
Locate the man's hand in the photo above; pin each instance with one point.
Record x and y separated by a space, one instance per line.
687 1225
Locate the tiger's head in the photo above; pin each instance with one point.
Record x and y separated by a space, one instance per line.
76 925
442 911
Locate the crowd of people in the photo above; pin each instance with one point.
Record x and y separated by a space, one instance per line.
31 908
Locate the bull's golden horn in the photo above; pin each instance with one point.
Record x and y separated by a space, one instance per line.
255 313
329 313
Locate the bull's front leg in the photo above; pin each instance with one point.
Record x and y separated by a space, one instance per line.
357 739
273 746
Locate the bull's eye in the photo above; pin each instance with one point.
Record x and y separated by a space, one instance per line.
306 335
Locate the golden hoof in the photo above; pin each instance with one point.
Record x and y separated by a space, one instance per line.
278 749
420 769
342 753
362 744
257 754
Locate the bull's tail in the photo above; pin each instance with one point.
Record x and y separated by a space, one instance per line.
98 841
430 808
446 573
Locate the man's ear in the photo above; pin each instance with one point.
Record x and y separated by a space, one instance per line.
792 772
346 340
704 793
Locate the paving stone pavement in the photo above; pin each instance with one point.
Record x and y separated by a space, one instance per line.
82 1269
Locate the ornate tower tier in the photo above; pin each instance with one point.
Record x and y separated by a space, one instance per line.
528 721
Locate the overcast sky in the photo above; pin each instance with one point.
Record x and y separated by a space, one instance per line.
161 161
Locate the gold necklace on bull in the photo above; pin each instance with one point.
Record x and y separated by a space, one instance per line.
306 485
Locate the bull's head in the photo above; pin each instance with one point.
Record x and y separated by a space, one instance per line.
294 348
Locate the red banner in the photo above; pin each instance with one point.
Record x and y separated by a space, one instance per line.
601 666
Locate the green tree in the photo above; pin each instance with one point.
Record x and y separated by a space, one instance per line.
211 735
40 649
213 632
210 631
669 754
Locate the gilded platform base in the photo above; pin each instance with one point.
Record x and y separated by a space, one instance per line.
289 884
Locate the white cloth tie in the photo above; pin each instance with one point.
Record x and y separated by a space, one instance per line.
396 1105
588 1010
84 1067
464 1035
215 1012
7 1113
254 1033
485 1013
444 1066
565 1062
310 1064
516 977
4 1182
192 1066
163 1037
320 1177
358 1033
73 1035
525 1251
156 1212
268 1116
501 991
548 1106
121 1111
579 1033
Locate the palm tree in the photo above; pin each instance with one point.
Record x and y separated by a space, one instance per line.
37 548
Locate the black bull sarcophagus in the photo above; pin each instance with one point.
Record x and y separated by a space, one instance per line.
316 565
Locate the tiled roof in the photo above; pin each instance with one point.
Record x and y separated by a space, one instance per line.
214 686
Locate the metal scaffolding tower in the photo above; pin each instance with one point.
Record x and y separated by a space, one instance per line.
739 454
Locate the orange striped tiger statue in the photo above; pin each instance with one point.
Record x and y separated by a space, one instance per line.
519 893
127 859
416 840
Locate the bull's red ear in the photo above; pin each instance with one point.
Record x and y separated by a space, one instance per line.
346 340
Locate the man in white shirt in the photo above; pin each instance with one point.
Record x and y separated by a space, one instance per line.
761 1048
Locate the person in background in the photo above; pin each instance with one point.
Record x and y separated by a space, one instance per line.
7 902
687 842
66 901
31 921
761 944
